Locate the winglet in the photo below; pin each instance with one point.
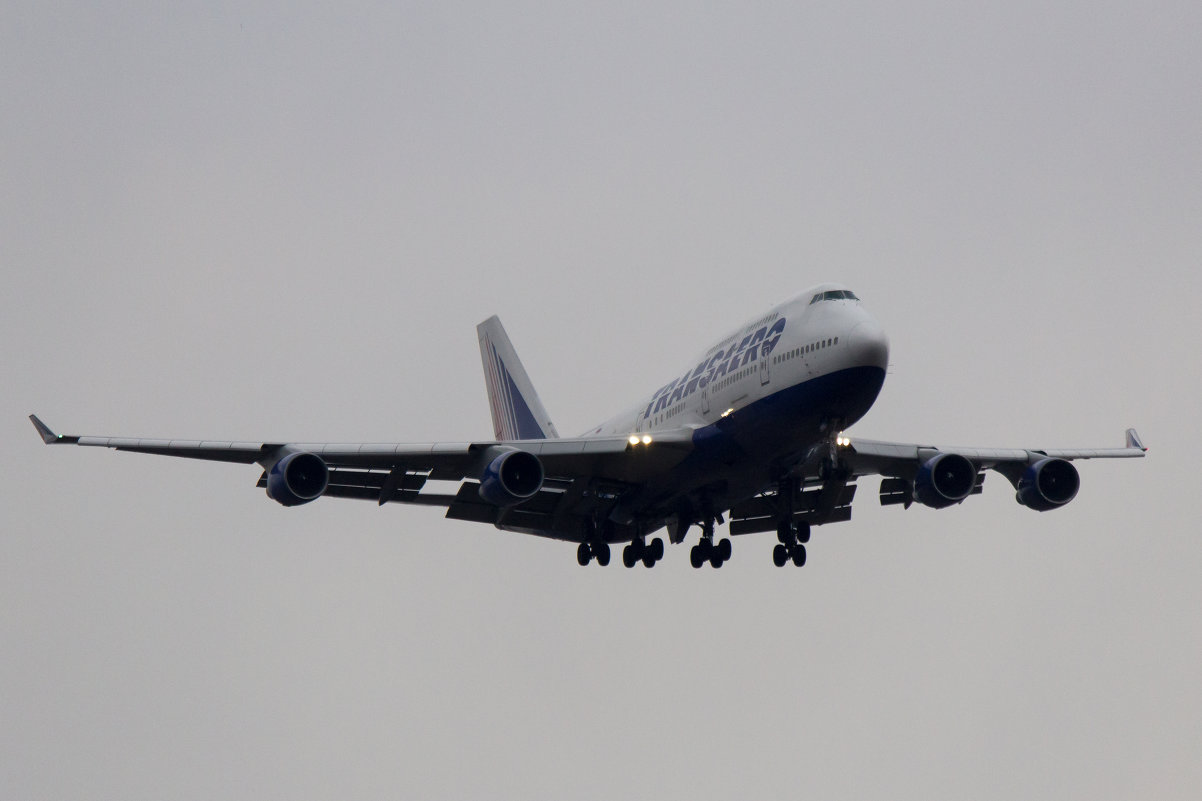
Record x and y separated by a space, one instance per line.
1133 440
47 435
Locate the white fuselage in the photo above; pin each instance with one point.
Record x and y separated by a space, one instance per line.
798 342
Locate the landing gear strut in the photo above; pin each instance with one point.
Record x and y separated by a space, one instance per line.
594 545
707 550
791 535
791 544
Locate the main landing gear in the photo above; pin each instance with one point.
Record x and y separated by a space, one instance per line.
637 551
707 550
791 536
790 547
642 551
590 550
596 546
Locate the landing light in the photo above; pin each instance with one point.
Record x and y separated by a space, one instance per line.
842 441
646 439
728 411
634 439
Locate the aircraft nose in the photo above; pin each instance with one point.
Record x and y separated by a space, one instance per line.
867 345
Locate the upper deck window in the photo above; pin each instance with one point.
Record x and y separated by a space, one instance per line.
834 294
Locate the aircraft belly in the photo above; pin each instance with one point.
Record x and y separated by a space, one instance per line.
743 453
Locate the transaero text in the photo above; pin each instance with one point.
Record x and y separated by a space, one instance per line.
753 346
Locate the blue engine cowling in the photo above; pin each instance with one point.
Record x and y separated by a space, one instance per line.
1048 484
944 480
511 478
297 478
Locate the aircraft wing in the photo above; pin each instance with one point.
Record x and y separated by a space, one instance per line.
580 472
908 469
901 460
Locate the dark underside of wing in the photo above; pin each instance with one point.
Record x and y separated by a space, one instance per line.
558 510
817 505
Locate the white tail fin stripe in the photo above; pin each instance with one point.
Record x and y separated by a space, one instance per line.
496 398
509 426
517 412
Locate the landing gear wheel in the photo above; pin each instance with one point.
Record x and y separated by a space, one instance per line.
696 558
723 550
583 555
803 533
785 534
715 558
648 559
602 554
780 555
657 549
628 557
799 555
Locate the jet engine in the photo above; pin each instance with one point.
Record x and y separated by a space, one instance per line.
944 480
1048 484
297 478
510 478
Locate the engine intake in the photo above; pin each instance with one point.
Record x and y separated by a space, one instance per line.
1048 484
944 480
511 478
297 478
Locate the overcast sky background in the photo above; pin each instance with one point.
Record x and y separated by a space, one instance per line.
283 221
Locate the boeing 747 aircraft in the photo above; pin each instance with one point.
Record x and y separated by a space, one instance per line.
751 430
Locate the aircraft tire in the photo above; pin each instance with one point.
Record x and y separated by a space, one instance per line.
780 555
723 550
695 557
583 555
799 555
657 548
628 557
648 559
803 533
602 554
785 534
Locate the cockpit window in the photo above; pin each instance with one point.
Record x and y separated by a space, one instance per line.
834 294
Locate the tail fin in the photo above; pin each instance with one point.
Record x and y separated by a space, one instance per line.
517 413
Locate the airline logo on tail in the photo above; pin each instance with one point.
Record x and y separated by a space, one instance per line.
511 415
517 412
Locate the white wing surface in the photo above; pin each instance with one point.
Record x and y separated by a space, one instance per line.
581 475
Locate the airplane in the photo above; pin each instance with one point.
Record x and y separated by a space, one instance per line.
753 429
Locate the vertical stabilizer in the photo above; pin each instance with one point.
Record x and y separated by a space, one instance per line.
517 413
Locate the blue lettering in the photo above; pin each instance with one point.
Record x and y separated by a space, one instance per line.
720 363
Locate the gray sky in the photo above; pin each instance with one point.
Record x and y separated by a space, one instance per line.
284 222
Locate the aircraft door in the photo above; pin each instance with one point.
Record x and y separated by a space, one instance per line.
705 399
765 363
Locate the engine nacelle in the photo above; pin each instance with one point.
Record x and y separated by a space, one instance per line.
944 480
297 478
511 478
1048 484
